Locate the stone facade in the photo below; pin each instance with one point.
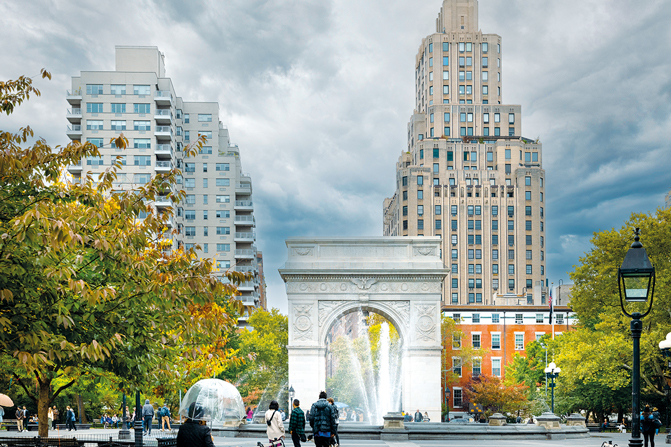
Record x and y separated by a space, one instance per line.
398 278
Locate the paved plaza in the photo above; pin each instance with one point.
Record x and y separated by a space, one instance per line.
596 439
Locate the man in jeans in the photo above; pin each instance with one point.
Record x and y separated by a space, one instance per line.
322 421
148 416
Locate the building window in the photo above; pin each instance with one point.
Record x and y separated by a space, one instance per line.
495 318
496 337
456 339
223 199
456 365
495 254
495 269
420 224
496 367
455 281
476 339
205 117
190 167
189 231
539 318
519 341
476 318
456 397
189 182
141 90
118 108
527 211
223 230
142 108
223 182
142 160
559 318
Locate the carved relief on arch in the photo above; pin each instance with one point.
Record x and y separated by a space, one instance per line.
302 322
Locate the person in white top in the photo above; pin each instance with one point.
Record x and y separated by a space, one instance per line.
275 429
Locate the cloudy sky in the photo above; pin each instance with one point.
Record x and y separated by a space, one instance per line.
317 94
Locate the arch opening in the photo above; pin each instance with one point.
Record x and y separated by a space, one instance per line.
364 357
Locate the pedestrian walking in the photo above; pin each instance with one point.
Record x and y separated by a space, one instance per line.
297 424
275 427
50 418
165 416
337 419
56 420
147 416
26 418
648 427
322 421
70 419
426 417
19 419
418 416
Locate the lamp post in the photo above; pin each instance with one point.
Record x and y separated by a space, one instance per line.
291 398
546 364
665 347
552 372
636 276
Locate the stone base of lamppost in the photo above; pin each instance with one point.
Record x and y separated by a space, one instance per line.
497 419
636 442
124 433
549 421
575 420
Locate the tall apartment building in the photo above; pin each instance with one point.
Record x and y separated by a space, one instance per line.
467 174
138 100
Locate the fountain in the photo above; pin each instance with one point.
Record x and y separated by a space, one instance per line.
377 377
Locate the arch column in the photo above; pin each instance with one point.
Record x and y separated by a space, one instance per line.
399 278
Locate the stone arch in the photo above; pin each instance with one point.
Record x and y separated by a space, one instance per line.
378 307
399 278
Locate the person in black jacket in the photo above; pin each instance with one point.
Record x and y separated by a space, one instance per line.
195 432
322 421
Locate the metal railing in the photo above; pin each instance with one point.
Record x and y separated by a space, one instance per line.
163 94
74 92
243 186
75 128
163 164
164 148
163 112
245 235
244 219
245 268
166 129
74 111
243 203
245 252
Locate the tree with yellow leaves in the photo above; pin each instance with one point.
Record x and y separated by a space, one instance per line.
86 283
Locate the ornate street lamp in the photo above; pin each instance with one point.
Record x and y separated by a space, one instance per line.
636 277
552 372
291 399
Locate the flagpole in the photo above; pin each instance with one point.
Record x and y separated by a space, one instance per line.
552 321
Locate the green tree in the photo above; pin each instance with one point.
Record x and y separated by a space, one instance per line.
85 283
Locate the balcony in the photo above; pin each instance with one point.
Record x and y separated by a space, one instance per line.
247 286
243 205
244 220
163 97
163 116
163 201
74 115
246 268
163 149
170 222
245 237
163 132
243 188
247 300
74 131
74 97
163 166
76 167
245 253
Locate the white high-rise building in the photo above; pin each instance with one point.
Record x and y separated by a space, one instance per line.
138 100
467 173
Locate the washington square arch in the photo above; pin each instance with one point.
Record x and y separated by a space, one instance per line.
397 278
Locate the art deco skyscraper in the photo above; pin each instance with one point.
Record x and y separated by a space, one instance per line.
468 175
138 100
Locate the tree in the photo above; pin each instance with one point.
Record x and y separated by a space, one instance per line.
596 301
494 396
265 370
86 284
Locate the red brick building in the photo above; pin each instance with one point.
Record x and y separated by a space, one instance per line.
502 332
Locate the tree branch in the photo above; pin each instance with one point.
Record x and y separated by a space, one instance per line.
64 387
18 379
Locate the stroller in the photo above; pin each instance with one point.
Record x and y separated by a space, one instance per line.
273 443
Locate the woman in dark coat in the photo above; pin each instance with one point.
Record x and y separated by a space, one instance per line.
195 432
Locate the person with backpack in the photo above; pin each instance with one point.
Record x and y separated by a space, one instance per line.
275 429
337 419
322 421
164 414
147 416
297 424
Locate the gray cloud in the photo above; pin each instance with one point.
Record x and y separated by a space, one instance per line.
317 95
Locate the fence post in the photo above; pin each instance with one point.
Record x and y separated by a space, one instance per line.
138 433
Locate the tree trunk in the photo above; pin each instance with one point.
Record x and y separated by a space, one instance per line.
43 408
82 413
